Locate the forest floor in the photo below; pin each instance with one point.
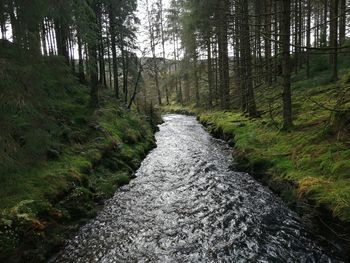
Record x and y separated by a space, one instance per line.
59 159
308 165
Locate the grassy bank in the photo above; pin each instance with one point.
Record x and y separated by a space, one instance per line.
314 155
59 158
309 164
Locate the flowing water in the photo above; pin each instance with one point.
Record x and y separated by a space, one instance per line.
187 205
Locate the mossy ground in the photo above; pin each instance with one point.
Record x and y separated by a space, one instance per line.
314 156
59 158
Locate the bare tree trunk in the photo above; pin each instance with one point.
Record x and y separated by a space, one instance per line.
325 24
287 96
216 71
51 38
308 35
136 85
163 46
101 53
210 72
81 60
125 71
61 31
223 53
342 22
276 32
268 42
94 96
196 79
43 38
154 57
296 36
112 30
247 57
334 38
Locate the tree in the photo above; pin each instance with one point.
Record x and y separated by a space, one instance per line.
285 32
222 20
334 38
153 42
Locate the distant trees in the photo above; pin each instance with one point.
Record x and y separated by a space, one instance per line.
210 53
243 46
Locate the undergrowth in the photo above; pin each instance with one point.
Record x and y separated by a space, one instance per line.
59 158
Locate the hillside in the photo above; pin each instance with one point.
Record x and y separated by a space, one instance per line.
60 159
307 165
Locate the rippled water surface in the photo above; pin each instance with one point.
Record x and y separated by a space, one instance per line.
186 205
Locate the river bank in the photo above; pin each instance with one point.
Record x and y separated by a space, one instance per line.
60 159
186 204
62 194
289 163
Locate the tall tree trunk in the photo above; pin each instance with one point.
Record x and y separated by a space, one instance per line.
112 29
287 96
267 41
3 18
51 38
317 29
276 38
125 71
154 57
334 38
296 36
81 60
237 58
210 72
247 58
196 78
178 100
71 53
257 40
216 59
300 33
223 53
163 47
101 51
325 24
14 22
342 22
308 36
43 37
94 96
61 40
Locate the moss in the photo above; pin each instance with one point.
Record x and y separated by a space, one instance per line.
42 200
313 157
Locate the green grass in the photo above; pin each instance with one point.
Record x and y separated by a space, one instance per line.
318 164
314 155
45 109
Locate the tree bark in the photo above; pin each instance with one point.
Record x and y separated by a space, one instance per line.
247 61
81 60
210 72
342 22
268 42
223 9
94 91
112 29
334 38
285 32
308 36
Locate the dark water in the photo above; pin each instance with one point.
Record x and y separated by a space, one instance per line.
186 205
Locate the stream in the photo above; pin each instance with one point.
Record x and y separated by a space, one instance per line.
187 205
